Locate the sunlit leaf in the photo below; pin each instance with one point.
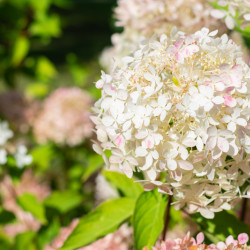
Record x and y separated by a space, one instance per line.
103 220
148 220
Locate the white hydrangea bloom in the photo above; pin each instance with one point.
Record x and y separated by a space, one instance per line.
21 156
143 18
234 9
180 105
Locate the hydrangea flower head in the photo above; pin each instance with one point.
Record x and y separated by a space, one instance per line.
148 17
180 105
64 118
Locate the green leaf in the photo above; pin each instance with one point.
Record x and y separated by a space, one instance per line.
24 241
48 233
45 68
95 163
103 220
20 50
128 187
42 156
64 201
219 228
28 202
148 220
6 216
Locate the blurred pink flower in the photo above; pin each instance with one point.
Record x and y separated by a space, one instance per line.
64 117
28 184
189 243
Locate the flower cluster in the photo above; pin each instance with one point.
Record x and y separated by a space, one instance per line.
64 118
5 135
232 11
180 105
120 239
148 17
9 193
20 155
190 243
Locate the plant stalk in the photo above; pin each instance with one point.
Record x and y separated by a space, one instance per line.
243 210
167 218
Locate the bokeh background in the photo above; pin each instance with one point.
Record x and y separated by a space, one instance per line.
49 63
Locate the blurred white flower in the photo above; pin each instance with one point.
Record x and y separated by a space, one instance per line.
21 157
235 9
5 133
3 156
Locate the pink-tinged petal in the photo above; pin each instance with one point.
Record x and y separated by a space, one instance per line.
222 144
221 245
99 84
178 43
243 238
119 141
149 143
179 57
185 165
171 164
229 240
229 101
200 238
211 142
149 186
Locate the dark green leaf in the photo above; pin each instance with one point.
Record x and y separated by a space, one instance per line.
219 228
128 187
63 201
148 220
103 220
29 203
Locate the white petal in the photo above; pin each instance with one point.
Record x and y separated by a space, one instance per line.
127 169
222 144
217 14
241 122
140 152
206 213
229 22
231 126
185 165
171 164
107 121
